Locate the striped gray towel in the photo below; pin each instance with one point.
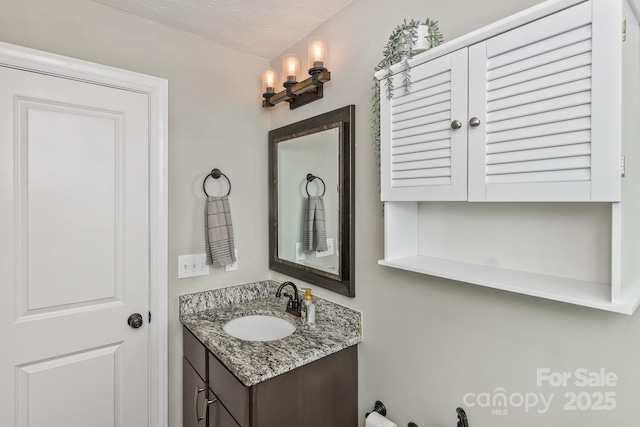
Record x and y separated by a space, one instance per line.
219 232
314 235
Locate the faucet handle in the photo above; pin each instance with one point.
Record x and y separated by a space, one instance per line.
291 303
293 306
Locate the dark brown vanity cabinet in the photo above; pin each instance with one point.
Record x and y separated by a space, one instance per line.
194 386
200 406
194 396
319 394
218 416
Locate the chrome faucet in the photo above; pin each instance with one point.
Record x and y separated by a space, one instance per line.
293 306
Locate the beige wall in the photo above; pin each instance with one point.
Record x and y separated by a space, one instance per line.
215 120
428 341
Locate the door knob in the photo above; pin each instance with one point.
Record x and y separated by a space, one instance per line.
135 320
456 124
474 122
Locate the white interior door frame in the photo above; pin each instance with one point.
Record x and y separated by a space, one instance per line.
157 90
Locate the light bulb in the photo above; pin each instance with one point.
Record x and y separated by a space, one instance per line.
291 68
269 80
317 53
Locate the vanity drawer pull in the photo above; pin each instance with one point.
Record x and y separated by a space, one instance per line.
197 391
205 405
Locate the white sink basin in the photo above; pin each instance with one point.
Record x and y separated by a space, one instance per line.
259 328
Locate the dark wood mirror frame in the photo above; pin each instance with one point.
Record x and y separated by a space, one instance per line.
343 282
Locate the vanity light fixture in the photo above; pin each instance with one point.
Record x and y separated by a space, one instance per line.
297 93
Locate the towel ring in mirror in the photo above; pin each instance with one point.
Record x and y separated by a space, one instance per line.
310 178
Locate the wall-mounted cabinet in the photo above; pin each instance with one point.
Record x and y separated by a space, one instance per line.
539 107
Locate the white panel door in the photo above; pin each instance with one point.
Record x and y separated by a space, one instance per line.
74 260
422 157
532 90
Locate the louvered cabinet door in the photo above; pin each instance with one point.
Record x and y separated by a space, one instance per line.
532 90
422 157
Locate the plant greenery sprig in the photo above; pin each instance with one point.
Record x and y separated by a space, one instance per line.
399 48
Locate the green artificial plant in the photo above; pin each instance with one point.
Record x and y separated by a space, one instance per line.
399 48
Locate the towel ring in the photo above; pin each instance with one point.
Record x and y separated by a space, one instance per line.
215 174
311 178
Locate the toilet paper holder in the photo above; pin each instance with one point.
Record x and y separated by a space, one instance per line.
379 408
382 410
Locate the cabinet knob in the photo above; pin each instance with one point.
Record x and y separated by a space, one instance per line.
456 124
474 122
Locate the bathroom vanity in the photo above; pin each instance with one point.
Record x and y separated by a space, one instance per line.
310 375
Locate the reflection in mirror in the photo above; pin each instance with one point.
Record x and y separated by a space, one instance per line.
311 232
308 220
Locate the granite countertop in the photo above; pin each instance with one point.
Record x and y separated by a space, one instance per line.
205 313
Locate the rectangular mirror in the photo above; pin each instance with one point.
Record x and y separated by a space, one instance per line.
311 230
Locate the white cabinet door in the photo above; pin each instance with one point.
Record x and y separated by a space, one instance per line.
422 158
532 89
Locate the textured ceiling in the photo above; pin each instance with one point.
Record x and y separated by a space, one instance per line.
261 27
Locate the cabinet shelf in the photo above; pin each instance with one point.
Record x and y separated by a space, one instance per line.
579 292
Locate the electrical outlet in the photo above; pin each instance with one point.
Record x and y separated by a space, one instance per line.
233 266
299 252
330 250
192 266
